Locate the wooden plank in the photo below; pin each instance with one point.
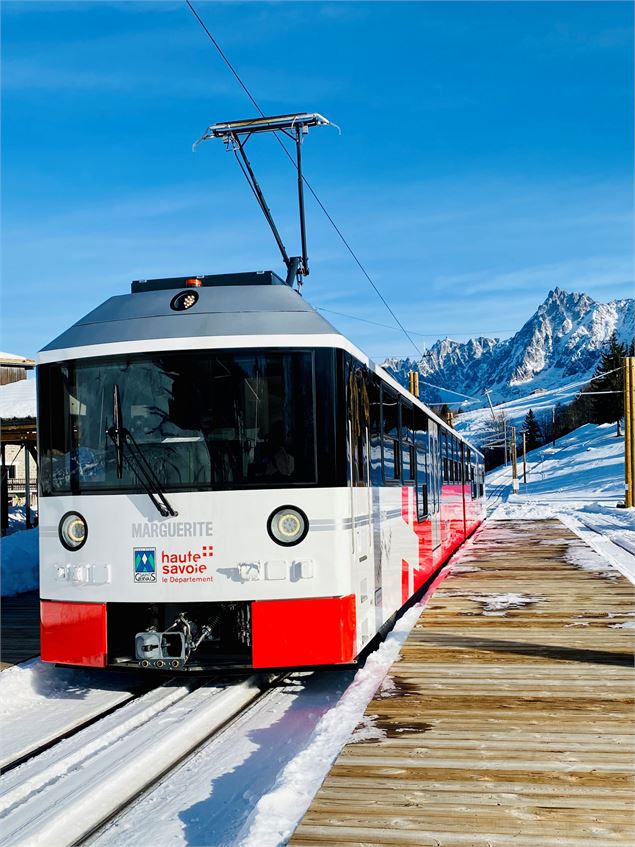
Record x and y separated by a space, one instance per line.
501 723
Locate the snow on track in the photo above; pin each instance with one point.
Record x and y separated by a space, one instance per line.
61 796
209 798
250 786
40 702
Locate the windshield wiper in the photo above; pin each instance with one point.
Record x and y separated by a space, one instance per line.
136 461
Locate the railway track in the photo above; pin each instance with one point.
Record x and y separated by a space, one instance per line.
75 784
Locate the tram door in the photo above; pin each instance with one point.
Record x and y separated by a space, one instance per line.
361 504
434 487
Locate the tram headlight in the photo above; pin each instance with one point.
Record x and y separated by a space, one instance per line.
73 531
288 526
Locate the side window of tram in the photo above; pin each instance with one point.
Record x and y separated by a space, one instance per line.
390 435
408 460
374 400
423 469
423 509
358 413
444 454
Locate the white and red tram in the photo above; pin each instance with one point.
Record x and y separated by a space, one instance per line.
226 480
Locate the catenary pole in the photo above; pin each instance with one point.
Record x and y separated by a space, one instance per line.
514 463
632 384
505 439
629 493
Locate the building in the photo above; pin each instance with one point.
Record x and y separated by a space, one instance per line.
18 436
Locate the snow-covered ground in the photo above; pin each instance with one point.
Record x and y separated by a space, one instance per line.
19 562
19 555
250 787
476 423
40 701
580 481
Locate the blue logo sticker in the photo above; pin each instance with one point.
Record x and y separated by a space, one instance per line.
145 569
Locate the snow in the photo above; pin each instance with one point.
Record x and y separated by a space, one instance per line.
580 481
38 701
19 562
60 796
278 813
494 603
209 799
251 786
562 341
14 356
17 399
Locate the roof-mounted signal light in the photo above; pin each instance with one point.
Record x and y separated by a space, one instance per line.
193 282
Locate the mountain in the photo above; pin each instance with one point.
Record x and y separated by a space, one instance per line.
560 343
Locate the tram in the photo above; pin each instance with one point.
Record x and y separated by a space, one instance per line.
226 480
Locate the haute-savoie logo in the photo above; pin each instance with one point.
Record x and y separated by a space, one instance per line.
187 566
145 564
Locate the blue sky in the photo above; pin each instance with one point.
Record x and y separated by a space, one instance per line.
485 156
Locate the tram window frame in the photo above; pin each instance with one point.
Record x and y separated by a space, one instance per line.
358 447
422 462
407 433
375 430
390 445
423 505
320 464
447 457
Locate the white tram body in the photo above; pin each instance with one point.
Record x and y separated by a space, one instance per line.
313 494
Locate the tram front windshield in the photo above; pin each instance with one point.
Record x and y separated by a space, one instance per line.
203 420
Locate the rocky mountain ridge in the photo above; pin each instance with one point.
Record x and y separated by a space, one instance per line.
562 341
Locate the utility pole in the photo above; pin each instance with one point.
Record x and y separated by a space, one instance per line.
514 463
553 426
505 440
524 457
487 393
629 433
413 383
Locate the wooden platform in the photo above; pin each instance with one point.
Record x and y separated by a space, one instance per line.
19 629
500 725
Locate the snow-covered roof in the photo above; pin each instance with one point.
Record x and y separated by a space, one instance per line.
16 361
17 400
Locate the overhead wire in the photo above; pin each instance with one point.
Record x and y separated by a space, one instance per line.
387 326
335 226
304 179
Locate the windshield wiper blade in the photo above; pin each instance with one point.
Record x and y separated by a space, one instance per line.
136 461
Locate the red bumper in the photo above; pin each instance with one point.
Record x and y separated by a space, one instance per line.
288 633
73 633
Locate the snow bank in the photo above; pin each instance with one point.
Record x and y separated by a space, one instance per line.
278 813
19 558
580 482
17 399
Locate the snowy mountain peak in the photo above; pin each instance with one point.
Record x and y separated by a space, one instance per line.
563 339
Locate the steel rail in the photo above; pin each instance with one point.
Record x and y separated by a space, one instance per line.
69 792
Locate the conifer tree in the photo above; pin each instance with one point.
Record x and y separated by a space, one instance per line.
609 408
532 429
